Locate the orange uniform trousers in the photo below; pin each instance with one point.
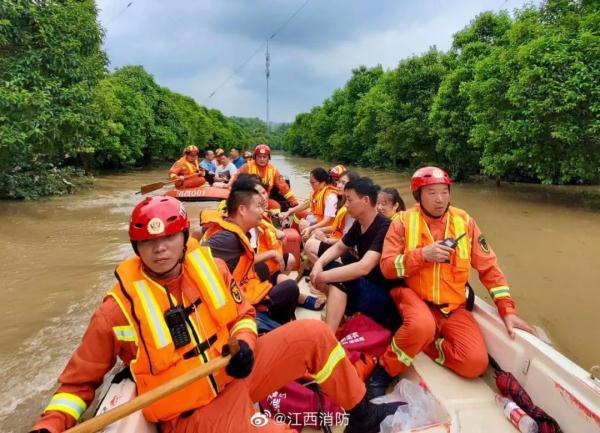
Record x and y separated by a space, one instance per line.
454 341
191 182
281 356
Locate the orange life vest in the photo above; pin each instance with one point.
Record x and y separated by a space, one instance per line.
397 215
244 274
339 223
190 168
442 284
318 200
267 174
144 302
267 241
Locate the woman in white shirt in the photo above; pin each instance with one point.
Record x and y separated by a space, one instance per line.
322 203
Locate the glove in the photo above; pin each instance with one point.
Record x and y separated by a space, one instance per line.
241 363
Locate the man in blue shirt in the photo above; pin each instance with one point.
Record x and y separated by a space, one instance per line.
236 158
208 163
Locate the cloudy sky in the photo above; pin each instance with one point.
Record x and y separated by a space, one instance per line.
192 46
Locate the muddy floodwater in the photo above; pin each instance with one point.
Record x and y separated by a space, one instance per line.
58 258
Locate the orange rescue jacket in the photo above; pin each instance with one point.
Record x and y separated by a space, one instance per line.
243 274
267 241
318 200
144 302
442 284
182 167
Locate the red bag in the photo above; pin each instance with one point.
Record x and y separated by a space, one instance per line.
302 405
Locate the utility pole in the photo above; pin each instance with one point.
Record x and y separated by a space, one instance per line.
267 74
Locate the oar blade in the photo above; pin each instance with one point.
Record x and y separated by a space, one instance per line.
145 189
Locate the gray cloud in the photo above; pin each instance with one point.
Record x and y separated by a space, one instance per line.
192 46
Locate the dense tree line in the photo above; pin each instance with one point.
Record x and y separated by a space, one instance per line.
516 97
63 114
257 132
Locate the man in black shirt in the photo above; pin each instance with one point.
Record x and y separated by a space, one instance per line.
359 286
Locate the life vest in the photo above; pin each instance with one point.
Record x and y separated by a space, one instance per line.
397 215
267 241
244 274
267 174
339 223
157 361
442 284
318 200
190 168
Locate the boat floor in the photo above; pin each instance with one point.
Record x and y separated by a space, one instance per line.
469 403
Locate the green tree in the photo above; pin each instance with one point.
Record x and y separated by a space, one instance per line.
535 102
450 117
50 60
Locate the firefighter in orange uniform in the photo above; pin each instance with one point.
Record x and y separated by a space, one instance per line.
185 171
170 281
270 176
434 306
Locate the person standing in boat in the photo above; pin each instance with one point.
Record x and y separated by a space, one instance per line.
433 246
262 165
185 171
175 307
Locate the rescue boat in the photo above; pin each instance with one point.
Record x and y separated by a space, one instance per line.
556 384
202 193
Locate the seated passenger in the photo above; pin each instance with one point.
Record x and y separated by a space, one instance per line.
390 204
359 286
322 204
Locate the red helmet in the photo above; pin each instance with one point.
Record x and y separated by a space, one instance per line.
428 176
191 149
155 217
262 149
337 171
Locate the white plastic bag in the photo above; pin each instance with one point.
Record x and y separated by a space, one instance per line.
421 408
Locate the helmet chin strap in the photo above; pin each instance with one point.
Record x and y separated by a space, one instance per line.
179 261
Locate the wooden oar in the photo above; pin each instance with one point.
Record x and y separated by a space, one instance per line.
99 422
145 189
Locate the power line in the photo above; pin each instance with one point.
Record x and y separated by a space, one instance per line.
120 13
257 50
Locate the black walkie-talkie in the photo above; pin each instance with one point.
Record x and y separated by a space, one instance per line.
175 318
452 243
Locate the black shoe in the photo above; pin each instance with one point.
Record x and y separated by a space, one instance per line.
365 417
378 383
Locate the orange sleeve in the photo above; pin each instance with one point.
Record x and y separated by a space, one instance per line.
244 326
394 262
284 189
84 372
484 260
175 170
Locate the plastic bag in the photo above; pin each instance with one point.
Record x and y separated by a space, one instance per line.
421 409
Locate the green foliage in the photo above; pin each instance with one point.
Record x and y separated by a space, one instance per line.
50 58
256 132
60 109
37 178
514 98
